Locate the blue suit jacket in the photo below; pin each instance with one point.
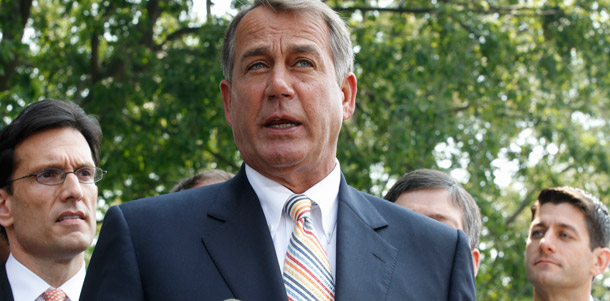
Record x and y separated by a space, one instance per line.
212 243
6 293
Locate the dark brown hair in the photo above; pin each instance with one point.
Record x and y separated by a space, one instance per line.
40 116
595 212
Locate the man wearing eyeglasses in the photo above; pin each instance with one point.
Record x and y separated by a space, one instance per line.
48 169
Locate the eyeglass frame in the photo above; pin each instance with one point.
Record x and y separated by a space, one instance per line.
64 174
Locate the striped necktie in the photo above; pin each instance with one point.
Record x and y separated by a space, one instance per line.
307 273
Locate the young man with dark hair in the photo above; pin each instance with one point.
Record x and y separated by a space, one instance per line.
567 244
48 169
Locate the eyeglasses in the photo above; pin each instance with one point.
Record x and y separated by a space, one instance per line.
56 176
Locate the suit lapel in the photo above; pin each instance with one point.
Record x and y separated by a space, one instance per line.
238 241
365 261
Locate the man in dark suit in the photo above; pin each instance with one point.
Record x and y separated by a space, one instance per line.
289 86
48 170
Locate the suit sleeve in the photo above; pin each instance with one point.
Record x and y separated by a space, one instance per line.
113 272
462 274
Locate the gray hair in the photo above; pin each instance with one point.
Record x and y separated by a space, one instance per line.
431 179
340 43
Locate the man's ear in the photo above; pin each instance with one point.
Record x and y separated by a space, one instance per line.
225 91
349 88
6 215
601 257
476 257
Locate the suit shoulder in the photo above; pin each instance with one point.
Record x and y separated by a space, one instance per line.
6 292
190 200
403 221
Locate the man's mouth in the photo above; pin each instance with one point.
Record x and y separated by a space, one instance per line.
71 216
547 261
281 123
68 217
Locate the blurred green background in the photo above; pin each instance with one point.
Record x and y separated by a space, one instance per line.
509 97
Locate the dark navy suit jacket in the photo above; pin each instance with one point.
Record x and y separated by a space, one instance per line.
213 243
6 293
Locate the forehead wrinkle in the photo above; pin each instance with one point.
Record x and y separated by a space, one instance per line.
73 151
315 32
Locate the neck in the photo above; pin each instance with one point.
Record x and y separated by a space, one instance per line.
53 272
298 180
562 295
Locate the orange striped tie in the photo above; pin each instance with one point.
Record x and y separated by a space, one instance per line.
307 273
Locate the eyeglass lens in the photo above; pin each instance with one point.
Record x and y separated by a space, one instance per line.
86 175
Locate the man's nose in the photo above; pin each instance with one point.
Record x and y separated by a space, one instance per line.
279 84
72 188
547 243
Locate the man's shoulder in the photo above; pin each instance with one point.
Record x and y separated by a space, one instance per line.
402 221
195 199
6 292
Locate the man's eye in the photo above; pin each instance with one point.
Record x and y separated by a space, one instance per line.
536 234
564 235
49 173
304 63
85 172
256 66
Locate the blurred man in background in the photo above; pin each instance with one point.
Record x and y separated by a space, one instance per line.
439 196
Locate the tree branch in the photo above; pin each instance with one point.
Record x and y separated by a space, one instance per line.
224 160
526 201
177 34
93 61
14 17
459 109
154 11
522 205
503 10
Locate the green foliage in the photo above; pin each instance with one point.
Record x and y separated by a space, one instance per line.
477 89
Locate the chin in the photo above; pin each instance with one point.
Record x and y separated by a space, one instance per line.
77 241
279 159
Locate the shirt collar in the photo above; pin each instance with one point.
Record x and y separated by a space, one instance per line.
272 196
26 285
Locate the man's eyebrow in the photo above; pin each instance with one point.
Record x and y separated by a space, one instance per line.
296 48
438 216
569 227
445 218
559 225
305 49
255 52
539 224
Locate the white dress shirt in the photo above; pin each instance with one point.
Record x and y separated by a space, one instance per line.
324 196
27 286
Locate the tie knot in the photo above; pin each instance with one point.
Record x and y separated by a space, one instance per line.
53 294
298 206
